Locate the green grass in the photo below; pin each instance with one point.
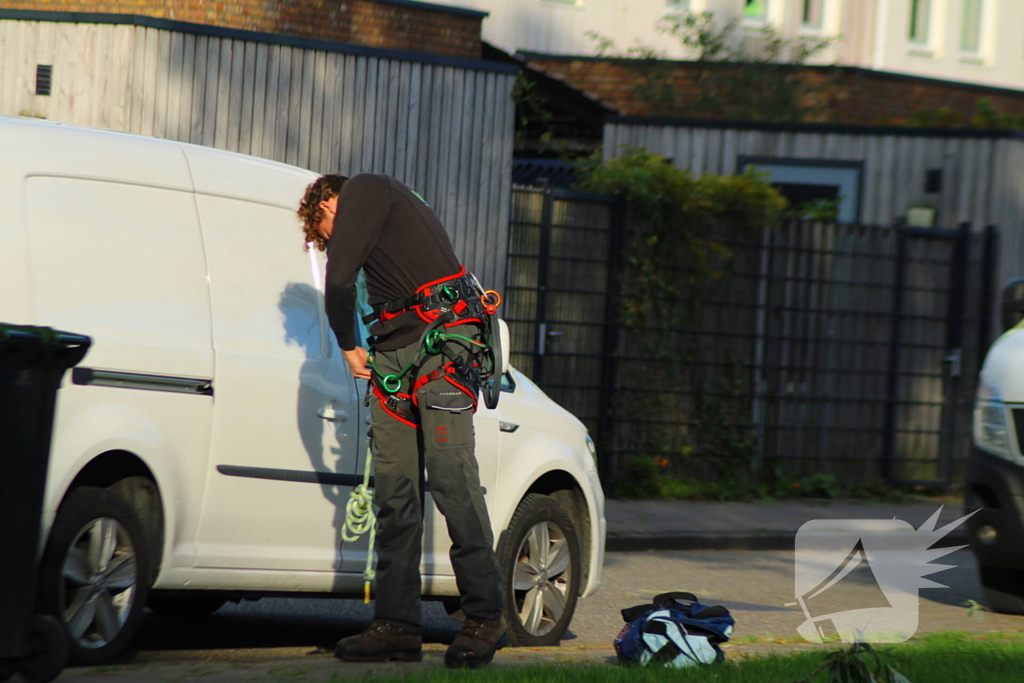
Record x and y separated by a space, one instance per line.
941 658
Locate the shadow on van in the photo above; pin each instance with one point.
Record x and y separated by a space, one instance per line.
322 381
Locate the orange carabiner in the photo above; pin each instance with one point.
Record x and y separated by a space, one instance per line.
491 300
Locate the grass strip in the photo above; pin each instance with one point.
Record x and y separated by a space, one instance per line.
943 658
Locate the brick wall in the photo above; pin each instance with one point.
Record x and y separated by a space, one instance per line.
844 95
362 22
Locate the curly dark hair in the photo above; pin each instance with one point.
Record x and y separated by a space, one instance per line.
310 213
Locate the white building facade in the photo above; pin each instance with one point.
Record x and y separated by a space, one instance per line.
974 41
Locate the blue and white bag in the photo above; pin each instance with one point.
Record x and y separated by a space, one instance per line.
673 633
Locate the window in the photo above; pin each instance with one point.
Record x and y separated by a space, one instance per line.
815 184
813 9
756 9
920 18
970 31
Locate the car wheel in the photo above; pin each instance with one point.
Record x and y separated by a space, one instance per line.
188 605
540 569
93 574
1004 589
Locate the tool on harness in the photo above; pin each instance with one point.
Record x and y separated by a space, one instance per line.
360 518
455 300
491 300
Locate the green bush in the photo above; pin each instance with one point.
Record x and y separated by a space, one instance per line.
676 249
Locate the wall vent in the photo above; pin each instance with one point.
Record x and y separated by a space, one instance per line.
44 77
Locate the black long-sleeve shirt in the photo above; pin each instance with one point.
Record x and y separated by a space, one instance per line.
387 230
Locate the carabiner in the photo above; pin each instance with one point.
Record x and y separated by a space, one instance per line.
432 337
490 300
391 378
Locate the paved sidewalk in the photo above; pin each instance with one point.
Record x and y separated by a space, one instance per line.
706 525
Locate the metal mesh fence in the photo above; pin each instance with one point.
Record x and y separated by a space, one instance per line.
812 347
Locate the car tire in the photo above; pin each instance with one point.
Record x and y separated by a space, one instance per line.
540 563
185 604
94 575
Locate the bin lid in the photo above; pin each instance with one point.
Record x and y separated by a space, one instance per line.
62 349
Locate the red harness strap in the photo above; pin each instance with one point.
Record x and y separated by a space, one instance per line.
424 289
448 372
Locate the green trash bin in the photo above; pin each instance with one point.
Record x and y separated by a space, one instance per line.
33 361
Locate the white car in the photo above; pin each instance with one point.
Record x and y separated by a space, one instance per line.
205 448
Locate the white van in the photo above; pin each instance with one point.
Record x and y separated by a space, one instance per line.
205 448
994 490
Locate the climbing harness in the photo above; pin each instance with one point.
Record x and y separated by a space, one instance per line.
456 300
360 518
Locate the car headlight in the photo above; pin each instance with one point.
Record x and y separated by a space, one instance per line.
592 447
991 429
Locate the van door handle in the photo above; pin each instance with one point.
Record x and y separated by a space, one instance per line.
332 415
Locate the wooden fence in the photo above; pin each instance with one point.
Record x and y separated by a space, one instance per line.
444 126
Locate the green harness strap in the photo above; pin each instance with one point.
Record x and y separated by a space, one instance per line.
431 344
360 518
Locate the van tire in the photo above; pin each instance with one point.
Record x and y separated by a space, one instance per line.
518 547
79 593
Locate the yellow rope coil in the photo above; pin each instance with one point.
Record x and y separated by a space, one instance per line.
360 518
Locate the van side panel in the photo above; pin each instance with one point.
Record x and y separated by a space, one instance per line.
124 264
286 402
15 303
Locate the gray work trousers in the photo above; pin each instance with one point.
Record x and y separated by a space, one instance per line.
436 433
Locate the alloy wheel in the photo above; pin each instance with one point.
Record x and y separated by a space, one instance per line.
541 579
100 577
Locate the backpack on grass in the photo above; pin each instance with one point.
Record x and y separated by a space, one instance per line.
673 633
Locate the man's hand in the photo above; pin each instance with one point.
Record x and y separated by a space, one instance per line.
357 360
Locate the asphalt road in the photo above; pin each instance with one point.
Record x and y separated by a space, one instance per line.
754 585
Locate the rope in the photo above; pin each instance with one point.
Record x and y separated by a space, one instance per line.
360 518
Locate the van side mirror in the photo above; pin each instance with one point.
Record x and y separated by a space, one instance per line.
1012 303
504 336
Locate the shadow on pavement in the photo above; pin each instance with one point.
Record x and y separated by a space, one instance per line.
277 623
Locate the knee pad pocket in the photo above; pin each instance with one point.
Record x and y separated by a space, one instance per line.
446 416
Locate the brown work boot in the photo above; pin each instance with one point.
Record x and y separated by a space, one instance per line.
381 642
476 643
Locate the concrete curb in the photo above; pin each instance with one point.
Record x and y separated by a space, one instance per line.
740 540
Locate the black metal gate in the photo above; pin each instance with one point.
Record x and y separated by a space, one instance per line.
869 345
563 260
846 349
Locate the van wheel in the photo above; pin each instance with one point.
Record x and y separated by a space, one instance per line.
540 566
185 604
93 577
1004 589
